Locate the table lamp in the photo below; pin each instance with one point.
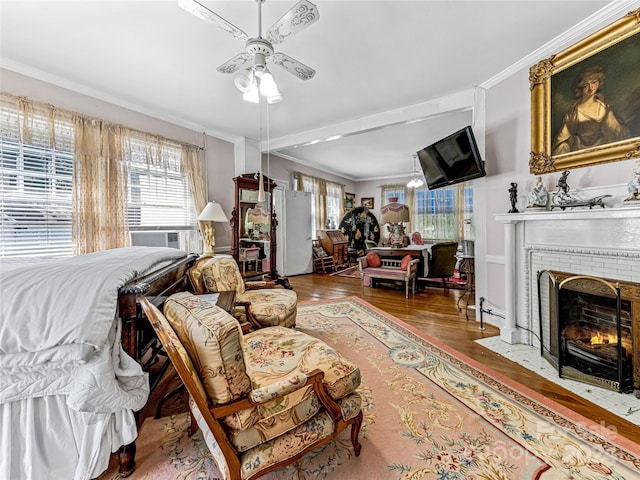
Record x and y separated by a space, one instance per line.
211 213
395 214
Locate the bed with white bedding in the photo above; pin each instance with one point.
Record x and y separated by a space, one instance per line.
68 388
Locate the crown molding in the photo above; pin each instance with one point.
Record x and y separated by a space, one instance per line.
611 12
82 89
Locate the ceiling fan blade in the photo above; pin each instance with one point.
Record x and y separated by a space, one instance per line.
236 63
303 14
204 13
300 70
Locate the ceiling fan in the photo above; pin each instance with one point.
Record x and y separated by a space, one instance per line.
252 62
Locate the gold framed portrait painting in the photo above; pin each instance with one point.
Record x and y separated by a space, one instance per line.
585 100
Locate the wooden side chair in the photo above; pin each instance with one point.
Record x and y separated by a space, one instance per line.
259 410
322 261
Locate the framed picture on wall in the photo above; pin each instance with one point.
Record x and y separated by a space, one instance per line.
349 200
367 202
585 101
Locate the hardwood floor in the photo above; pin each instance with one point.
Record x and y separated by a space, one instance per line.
434 312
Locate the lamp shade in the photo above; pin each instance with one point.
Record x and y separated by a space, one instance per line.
258 215
394 212
212 213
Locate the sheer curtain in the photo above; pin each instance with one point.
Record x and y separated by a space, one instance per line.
329 198
100 187
193 167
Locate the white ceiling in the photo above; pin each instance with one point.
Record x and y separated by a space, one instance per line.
374 61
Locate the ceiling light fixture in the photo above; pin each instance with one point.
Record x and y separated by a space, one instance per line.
415 181
256 81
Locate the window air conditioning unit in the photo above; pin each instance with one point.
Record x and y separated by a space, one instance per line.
155 239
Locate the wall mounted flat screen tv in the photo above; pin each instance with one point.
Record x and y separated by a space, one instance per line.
453 159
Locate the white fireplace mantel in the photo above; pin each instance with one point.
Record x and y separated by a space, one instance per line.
603 242
632 211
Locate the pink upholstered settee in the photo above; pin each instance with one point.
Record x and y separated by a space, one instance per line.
390 270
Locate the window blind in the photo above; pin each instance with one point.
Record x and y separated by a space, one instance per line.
158 192
35 183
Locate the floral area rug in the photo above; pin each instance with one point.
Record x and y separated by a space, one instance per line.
429 413
349 272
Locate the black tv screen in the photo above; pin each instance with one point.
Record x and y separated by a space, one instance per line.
453 159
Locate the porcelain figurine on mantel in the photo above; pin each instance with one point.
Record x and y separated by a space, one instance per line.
564 197
633 187
538 197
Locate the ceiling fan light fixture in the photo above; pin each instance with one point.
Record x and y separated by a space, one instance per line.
268 85
252 95
275 98
244 81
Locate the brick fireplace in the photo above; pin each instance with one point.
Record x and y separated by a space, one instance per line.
590 328
603 244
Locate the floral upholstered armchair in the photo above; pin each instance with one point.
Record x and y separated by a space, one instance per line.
262 400
266 304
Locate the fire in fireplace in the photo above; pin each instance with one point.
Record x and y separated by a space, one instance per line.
590 333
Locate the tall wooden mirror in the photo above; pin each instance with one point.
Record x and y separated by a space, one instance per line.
253 227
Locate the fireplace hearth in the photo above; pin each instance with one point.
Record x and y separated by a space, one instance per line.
590 336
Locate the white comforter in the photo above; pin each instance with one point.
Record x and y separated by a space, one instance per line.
58 333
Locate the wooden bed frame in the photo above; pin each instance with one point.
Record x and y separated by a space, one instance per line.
138 338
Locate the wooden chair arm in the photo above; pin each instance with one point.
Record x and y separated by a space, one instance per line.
313 378
412 268
253 320
258 284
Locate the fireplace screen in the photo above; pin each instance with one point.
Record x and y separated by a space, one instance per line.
586 329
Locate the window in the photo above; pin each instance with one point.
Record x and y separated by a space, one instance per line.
327 209
439 214
335 192
37 183
393 191
158 192
35 190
